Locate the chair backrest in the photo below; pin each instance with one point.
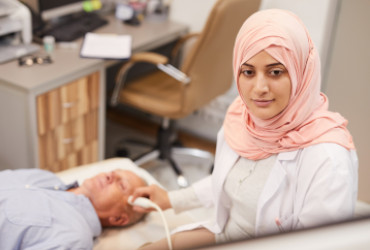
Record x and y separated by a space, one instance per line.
209 61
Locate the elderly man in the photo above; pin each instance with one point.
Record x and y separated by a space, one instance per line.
38 211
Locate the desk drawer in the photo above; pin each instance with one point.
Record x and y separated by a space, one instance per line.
68 124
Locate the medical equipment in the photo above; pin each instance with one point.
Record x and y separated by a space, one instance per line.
15 18
146 203
15 31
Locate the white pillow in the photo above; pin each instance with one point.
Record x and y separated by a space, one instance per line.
87 171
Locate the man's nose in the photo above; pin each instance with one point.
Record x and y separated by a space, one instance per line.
111 177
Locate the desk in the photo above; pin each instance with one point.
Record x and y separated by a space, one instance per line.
34 118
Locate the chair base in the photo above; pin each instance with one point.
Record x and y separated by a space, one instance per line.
165 148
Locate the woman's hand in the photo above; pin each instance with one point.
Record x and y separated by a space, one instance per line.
156 194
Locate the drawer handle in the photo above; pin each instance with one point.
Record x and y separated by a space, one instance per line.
67 140
68 105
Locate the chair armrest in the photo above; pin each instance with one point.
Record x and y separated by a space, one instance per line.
148 57
161 62
174 72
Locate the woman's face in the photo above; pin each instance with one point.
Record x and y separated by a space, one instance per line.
265 86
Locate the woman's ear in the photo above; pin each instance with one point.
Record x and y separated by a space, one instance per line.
121 220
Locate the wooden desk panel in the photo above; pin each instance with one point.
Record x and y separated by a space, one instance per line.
68 124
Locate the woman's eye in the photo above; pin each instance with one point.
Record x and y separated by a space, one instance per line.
247 72
276 72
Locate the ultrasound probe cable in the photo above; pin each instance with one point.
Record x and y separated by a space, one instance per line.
146 203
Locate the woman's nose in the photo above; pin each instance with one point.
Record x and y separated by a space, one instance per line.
261 85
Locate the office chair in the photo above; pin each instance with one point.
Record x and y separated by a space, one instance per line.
172 93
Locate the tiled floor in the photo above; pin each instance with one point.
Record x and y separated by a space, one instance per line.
193 168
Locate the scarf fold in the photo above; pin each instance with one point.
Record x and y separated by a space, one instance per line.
306 120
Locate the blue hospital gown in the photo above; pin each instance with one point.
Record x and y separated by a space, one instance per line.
36 213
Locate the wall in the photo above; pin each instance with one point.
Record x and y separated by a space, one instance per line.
348 85
181 10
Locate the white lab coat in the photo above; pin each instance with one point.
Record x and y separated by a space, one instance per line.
306 187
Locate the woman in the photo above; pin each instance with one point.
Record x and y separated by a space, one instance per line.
283 161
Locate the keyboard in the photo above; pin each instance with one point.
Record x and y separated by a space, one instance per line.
74 27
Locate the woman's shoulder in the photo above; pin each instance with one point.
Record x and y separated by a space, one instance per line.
328 148
329 152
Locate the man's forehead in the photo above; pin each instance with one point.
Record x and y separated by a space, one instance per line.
126 174
130 176
123 172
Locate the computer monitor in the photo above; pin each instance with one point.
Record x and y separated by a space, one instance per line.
53 9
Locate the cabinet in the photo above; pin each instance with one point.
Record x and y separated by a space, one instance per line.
67 124
52 117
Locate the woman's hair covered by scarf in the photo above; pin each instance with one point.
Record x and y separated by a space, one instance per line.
306 120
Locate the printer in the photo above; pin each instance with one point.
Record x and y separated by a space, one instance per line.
15 30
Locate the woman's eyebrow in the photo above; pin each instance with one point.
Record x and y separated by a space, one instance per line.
267 66
274 64
248 65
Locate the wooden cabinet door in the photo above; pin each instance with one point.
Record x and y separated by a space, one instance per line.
67 121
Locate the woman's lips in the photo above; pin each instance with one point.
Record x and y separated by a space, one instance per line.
262 103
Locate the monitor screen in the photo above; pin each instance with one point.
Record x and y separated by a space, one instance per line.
51 9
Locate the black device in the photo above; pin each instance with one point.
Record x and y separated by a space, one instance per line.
74 26
66 20
51 10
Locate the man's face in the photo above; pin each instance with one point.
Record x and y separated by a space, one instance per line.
109 191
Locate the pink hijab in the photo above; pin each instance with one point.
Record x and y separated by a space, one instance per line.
306 120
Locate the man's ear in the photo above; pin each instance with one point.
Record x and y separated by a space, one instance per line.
121 220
